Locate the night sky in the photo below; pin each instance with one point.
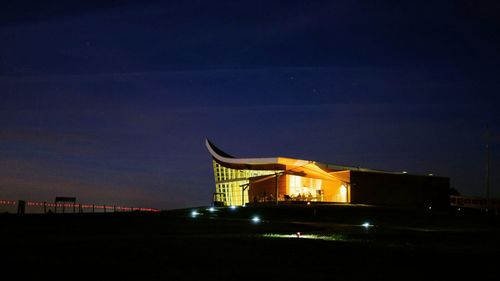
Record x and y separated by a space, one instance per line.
110 101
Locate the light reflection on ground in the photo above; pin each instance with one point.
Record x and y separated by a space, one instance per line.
331 237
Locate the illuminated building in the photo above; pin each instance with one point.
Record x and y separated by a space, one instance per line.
279 179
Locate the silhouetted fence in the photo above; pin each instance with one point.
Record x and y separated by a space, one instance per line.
474 202
33 207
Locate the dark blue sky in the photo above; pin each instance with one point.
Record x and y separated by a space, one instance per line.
110 101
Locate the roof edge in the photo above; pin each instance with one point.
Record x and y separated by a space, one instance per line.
226 158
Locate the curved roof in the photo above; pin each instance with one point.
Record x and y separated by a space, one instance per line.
222 157
211 147
288 165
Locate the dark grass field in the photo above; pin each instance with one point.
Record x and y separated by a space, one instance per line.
399 244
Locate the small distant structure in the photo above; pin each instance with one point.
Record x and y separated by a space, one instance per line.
64 201
21 207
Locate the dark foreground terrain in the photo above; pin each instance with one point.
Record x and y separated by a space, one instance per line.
225 244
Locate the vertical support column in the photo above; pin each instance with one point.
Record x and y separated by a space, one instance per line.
277 187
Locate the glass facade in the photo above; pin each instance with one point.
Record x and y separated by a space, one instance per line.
229 183
305 188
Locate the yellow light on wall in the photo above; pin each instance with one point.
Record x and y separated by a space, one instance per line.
343 193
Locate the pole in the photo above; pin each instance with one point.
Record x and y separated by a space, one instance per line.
277 185
488 172
243 188
487 164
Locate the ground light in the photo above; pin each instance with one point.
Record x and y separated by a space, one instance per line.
211 209
232 207
194 213
366 225
256 219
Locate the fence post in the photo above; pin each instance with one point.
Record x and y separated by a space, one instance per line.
44 207
21 207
